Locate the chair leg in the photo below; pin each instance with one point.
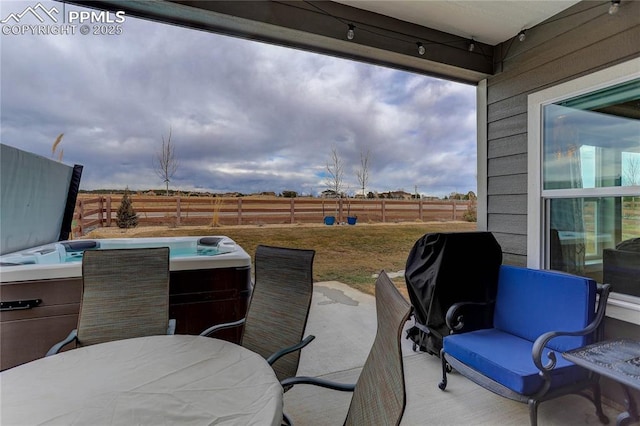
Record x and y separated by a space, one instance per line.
533 412
443 384
631 413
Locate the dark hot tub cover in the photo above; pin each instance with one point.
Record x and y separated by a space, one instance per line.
446 268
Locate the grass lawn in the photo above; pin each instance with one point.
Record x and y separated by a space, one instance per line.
349 254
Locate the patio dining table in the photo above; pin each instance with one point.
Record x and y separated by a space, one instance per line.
618 360
179 379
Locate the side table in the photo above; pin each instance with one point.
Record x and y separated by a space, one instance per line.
618 360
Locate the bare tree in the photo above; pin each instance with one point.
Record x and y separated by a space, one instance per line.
632 170
335 170
632 174
363 173
165 163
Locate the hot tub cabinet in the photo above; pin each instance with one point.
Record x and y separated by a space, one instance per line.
27 333
201 298
40 302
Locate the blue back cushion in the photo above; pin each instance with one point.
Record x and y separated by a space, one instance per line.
531 302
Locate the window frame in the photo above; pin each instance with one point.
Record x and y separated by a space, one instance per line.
620 306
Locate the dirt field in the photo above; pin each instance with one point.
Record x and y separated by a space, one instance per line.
349 254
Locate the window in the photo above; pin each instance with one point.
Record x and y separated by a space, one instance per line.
584 199
591 141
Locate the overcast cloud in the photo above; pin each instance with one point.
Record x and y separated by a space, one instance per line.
244 116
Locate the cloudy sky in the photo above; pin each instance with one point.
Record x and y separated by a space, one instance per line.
244 116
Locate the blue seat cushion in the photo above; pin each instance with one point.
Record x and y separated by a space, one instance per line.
506 359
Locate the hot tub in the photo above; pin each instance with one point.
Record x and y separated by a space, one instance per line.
40 289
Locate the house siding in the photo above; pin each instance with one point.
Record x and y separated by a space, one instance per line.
581 40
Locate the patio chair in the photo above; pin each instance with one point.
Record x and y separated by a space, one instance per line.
379 395
277 315
125 294
537 315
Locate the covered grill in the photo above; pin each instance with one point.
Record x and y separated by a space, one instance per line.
445 268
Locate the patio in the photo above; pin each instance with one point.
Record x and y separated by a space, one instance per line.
343 321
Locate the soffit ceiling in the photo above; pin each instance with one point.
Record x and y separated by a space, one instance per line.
490 21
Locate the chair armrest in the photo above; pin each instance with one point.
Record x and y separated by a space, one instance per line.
70 338
171 328
302 380
456 314
542 341
217 327
282 352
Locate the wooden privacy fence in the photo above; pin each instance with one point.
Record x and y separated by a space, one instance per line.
101 211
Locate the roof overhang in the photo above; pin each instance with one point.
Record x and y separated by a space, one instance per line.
387 32
320 27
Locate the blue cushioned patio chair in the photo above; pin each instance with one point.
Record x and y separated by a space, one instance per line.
125 294
537 316
379 396
279 308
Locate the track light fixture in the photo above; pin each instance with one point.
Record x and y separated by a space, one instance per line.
421 49
472 45
615 5
351 33
522 35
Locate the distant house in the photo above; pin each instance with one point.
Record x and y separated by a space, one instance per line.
396 195
329 193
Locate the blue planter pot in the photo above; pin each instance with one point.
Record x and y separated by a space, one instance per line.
351 220
329 220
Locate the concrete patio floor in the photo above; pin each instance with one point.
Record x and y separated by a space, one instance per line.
344 323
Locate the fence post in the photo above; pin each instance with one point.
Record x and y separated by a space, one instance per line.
420 213
75 227
339 218
293 210
383 208
81 216
453 202
240 211
101 212
108 210
178 210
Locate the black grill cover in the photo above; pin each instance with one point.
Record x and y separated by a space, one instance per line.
446 268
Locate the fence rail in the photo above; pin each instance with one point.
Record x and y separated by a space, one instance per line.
101 211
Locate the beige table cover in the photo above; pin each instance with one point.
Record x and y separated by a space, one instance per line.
159 380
